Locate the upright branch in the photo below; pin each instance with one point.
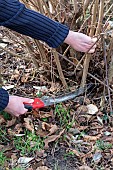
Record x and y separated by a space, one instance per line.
92 30
75 5
107 80
85 5
61 75
101 12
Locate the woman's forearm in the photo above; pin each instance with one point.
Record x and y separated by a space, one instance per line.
16 16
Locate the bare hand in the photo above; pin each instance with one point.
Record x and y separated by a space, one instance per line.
81 42
16 107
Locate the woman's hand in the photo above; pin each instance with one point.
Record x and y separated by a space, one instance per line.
80 42
16 107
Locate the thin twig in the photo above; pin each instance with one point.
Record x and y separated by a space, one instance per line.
107 81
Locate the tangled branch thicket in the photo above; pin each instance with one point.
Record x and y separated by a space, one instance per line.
89 17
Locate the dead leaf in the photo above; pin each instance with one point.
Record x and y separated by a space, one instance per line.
53 129
46 126
18 128
91 138
40 153
82 109
11 122
29 124
10 132
3 45
92 109
35 113
97 157
77 153
2 120
43 168
41 133
52 138
14 158
42 114
84 167
24 160
49 127
82 128
74 131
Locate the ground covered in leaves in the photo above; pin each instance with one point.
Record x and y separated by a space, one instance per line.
77 134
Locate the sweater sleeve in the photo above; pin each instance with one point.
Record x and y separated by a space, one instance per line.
14 15
4 99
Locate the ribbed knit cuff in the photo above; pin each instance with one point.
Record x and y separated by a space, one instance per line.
59 36
4 99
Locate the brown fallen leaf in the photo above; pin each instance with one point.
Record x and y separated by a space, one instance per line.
49 127
46 126
35 113
85 167
43 168
42 133
82 109
40 153
18 128
77 153
53 129
82 128
91 138
14 157
86 156
52 138
42 114
10 132
11 122
29 124
2 120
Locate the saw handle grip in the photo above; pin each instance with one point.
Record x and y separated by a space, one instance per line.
38 103
28 107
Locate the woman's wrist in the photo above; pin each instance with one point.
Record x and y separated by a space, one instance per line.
69 37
